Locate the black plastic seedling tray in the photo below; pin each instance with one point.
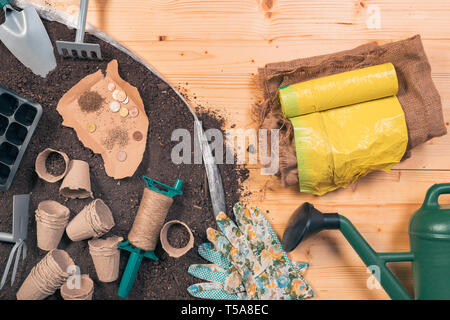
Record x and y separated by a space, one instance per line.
19 118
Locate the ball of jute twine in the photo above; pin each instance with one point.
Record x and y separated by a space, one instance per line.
149 220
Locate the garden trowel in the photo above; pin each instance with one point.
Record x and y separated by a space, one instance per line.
24 34
80 49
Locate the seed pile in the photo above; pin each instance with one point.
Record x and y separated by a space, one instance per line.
90 101
116 136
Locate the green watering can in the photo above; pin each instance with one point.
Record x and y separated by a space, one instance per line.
429 235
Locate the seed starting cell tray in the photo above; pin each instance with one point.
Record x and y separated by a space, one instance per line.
18 120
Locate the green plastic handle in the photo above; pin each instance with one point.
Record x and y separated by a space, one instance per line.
129 275
371 258
4 3
432 196
134 262
163 188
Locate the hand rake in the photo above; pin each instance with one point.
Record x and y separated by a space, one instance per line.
18 235
80 49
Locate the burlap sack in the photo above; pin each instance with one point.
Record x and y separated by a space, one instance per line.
417 94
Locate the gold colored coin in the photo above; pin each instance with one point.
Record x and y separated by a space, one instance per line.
119 95
123 112
91 127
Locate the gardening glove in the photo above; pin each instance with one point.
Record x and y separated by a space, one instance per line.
255 251
225 282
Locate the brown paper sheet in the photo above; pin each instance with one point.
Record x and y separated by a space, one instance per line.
105 120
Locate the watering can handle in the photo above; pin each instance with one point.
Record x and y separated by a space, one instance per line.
4 3
432 196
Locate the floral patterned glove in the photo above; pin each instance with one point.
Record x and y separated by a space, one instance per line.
255 252
224 281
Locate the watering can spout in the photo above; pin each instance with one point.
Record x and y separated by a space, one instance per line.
307 221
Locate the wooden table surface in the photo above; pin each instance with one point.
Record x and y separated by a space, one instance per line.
213 49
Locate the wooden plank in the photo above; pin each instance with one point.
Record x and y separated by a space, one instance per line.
211 73
378 187
267 19
215 57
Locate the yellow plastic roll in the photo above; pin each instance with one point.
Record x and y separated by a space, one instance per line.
339 90
337 146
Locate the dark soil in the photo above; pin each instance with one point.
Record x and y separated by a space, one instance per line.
178 236
55 164
165 279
